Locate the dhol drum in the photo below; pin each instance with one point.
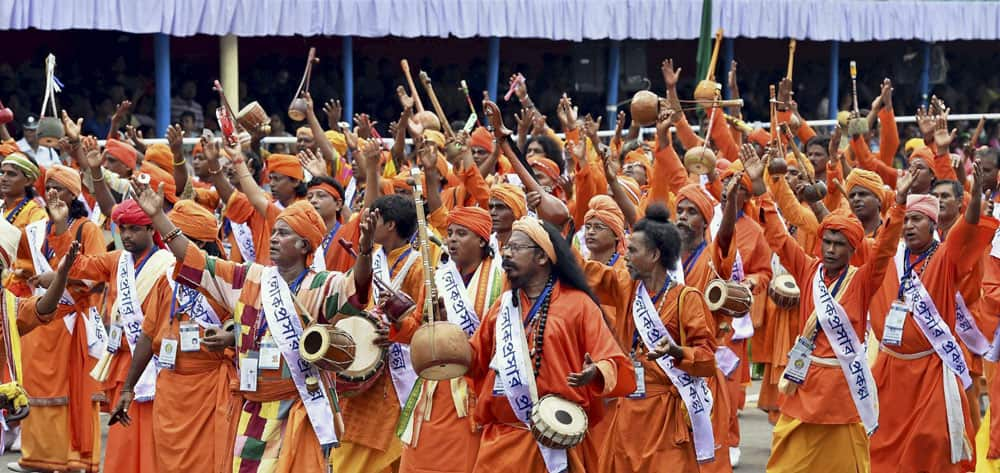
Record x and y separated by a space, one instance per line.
558 423
440 351
369 358
327 347
783 291
728 298
252 116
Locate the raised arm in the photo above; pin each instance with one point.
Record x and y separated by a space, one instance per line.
175 137
255 195
92 158
215 170
669 175
324 145
48 302
888 132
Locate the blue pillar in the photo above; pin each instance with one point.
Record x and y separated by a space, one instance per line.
614 65
347 59
925 75
493 67
728 54
161 56
834 79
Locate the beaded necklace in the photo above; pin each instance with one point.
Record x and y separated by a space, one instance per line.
536 325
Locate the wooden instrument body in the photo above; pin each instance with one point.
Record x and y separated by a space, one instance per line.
327 347
369 358
297 109
783 291
699 160
645 107
558 423
728 298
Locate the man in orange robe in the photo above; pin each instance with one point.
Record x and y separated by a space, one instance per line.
925 424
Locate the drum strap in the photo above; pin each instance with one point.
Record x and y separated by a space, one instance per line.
693 390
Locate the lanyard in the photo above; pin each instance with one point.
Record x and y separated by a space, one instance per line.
538 303
329 237
17 210
908 268
402 257
655 299
614 259
138 268
294 286
689 262
46 249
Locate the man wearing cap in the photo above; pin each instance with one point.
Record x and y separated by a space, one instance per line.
569 351
60 433
469 282
43 155
284 425
925 420
137 289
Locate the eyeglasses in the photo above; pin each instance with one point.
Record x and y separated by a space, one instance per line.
595 227
515 247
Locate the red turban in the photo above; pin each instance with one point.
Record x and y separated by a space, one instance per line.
512 196
477 220
604 208
286 165
482 138
122 151
925 204
693 193
546 166
843 221
67 176
160 155
305 222
129 213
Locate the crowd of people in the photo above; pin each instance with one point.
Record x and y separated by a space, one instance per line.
608 296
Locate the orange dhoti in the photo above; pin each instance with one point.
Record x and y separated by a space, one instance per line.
445 443
795 443
508 448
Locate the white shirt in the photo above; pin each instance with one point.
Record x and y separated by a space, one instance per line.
45 156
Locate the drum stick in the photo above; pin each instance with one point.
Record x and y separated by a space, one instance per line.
791 58
425 80
413 88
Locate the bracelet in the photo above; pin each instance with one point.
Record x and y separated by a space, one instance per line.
92 178
176 232
217 171
181 162
246 174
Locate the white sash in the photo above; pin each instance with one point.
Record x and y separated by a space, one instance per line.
286 329
677 274
352 188
968 331
97 336
693 389
244 240
742 326
400 366
130 311
460 310
993 353
36 233
850 353
511 363
195 305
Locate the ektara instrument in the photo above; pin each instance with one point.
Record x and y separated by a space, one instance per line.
645 107
327 347
405 65
557 422
425 80
776 163
708 89
728 298
783 291
297 109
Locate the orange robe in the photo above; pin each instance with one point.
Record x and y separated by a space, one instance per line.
471 190
913 433
989 308
239 210
337 258
823 401
574 328
63 430
131 448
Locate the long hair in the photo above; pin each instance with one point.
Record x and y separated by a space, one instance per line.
566 269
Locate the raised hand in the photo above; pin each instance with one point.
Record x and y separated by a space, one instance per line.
175 139
149 200
58 210
619 125
590 128
312 163
135 136
364 124
310 112
926 121
538 124
369 220
92 153
492 112
943 139
534 199
784 94
521 89
524 121
977 178
427 154
404 99
333 111
585 376
567 113
121 111
371 150
732 76
72 129
670 75
834 150
70 258
752 163
903 187
665 119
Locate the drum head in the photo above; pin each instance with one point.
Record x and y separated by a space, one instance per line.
715 294
785 285
367 355
562 416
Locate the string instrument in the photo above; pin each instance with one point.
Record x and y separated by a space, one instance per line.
425 80
815 190
791 59
439 350
403 63
297 109
777 164
857 125
399 304
227 120
708 89
473 117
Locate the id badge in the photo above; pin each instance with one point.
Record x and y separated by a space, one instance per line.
115 337
799 361
190 341
270 356
640 381
168 353
893 334
248 372
498 389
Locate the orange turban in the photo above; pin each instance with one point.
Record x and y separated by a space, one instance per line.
735 167
843 221
604 208
546 166
67 176
477 220
925 204
305 222
286 165
532 227
160 155
760 136
156 176
805 165
198 149
435 137
482 138
512 196
927 155
338 141
122 151
867 179
195 221
639 156
632 189
8 147
693 193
